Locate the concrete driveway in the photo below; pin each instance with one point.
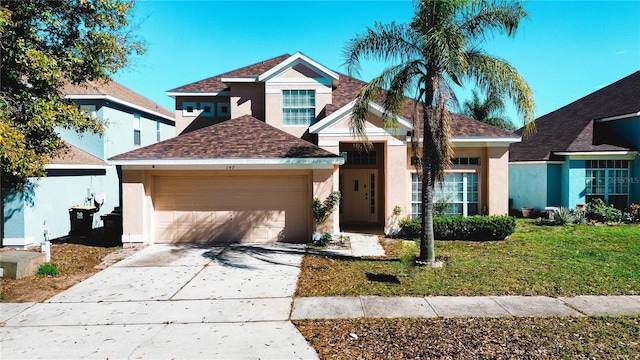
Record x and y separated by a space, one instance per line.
168 302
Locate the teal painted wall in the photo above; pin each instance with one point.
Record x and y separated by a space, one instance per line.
628 128
554 185
13 206
52 196
528 185
573 185
635 181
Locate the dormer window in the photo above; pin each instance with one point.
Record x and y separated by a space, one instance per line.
298 107
189 108
207 109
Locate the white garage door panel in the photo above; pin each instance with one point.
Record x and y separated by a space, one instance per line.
223 209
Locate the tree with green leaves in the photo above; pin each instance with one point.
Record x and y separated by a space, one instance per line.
46 44
441 46
490 111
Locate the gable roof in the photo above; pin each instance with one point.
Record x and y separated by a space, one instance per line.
214 84
345 90
74 158
573 128
116 92
244 137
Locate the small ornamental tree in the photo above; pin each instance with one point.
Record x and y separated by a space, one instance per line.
46 44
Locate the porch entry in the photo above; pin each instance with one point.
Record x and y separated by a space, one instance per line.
359 195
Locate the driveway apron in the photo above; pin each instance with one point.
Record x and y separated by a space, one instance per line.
166 302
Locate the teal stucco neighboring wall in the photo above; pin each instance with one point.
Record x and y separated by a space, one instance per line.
528 185
628 128
554 185
573 183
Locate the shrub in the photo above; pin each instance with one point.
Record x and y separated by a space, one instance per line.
634 212
322 240
463 228
597 210
48 270
442 206
322 210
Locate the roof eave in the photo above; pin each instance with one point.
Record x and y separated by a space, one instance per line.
119 101
230 163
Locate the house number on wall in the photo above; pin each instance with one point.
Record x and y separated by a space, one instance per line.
230 167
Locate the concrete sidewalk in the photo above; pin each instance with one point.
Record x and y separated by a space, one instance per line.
462 306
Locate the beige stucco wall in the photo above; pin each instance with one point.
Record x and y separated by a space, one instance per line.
296 78
134 209
498 180
247 99
182 121
326 181
138 196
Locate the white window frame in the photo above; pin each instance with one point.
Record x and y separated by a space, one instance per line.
465 193
193 106
89 109
310 94
137 129
613 180
212 109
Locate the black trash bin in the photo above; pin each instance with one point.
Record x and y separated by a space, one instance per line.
81 218
112 228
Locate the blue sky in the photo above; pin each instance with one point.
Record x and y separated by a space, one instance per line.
565 49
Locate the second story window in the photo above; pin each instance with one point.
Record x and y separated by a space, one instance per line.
136 129
88 109
298 107
158 135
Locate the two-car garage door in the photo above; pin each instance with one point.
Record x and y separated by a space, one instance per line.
220 209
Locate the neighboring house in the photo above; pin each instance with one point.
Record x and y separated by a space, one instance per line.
257 144
80 176
587 149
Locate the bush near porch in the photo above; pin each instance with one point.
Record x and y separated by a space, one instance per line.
479 228
534 260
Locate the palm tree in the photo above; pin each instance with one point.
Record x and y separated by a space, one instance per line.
490 111
441 46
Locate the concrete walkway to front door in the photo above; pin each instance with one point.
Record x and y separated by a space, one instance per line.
169 302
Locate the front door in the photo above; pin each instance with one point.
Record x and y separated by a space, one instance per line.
359 191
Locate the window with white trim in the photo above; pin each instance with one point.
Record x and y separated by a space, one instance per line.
608 180
136 129
89 110
460 190
298 107
189 108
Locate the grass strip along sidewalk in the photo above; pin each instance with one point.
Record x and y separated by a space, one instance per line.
535 260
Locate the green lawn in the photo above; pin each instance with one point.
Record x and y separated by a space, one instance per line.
535 260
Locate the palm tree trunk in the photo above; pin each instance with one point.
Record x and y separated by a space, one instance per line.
427 238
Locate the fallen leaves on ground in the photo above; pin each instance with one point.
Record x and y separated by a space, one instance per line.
74 261
473 338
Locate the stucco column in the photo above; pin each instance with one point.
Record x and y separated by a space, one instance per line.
133 209
326 181
498 180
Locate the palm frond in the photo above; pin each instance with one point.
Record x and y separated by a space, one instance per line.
484 18
388 43
496 75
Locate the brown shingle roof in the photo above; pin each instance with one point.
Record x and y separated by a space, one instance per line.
347 89
571 128
74 156
116 90
214 84
244 137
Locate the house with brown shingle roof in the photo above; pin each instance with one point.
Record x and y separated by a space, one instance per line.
256 145
80 175
587 149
